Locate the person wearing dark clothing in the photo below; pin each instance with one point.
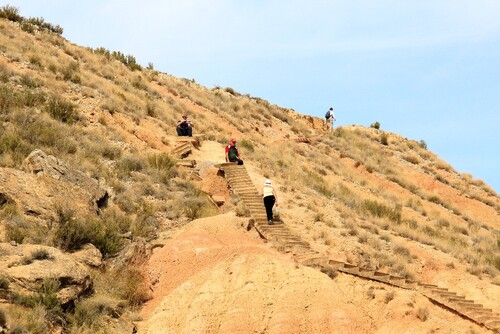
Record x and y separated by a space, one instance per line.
270 198
184 127
232 154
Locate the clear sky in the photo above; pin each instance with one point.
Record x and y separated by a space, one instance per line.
428 70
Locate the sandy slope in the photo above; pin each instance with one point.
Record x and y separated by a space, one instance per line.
215 277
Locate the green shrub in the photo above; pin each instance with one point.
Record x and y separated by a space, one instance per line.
9 142
127 60
247 144
90 313
40 23
164 164
15 233
61 110
375 125
4 283
10 13
494 260
30 321
381 210
45 296
70 73
7 98
41 254
111 152
72 234
129 164
33 98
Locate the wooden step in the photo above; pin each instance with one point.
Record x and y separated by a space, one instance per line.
349 268
186 163
494 324
336 264
314 260
366 272
396 280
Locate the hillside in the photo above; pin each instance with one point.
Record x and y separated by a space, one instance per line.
159 232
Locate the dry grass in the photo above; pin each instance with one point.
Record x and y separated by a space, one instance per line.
355 203
422 313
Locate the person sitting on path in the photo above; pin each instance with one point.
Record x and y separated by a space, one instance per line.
270 199
330 117
184 127
232 154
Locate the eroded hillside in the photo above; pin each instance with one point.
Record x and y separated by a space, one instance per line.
357 194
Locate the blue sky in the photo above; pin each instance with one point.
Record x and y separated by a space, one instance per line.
428 70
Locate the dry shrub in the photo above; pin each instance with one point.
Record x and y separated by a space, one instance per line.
412 159
401 250
384 139
25 320
389 296
164 165
91 313
443 166
130 284
332 273
3 319
371 293
422 313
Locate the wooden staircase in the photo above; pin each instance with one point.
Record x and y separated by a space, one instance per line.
184 148
287 242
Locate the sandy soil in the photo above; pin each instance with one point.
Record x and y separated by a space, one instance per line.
213 276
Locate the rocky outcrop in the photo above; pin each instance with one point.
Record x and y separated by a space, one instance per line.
26 267
89 255
44 183
38 162
36 197
134 253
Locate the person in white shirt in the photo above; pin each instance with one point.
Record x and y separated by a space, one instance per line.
270 199
330 117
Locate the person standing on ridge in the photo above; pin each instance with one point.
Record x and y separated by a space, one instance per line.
232 154
330 117
270 198
184 127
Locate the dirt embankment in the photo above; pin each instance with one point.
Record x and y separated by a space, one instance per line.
213 276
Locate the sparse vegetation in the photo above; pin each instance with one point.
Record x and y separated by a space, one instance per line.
122 138
422 313
61 110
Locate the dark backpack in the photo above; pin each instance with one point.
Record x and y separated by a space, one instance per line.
327 115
